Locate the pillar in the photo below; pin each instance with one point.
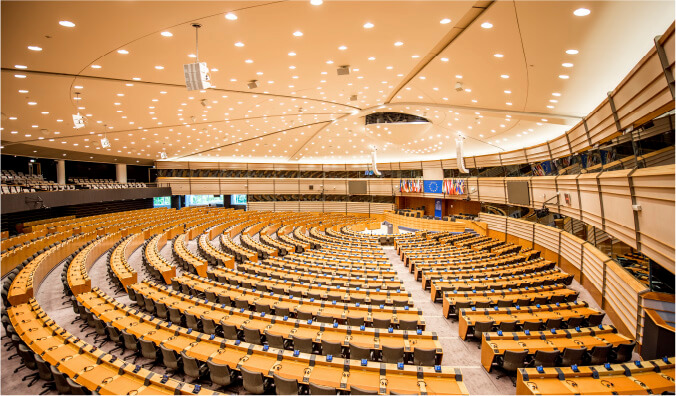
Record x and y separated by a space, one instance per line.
121 172
61 172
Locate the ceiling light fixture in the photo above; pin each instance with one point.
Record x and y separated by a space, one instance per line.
20 66
34 48
445 21
563 76
486 25
572 52
504 76
368 25
567 64
239 44
498 55
398 44
167 34
298 33
122 52
66 23
230 16
581 12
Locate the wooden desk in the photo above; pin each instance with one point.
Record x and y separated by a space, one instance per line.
339 312
467 318
493 345
654 377
339 373
536 265
370 338
451 298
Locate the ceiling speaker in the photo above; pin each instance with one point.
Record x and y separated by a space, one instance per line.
353 98
252 84
343 70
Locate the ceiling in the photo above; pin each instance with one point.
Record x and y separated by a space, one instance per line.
404 56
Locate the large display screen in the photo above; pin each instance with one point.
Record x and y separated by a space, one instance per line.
161 202
203 200
238 199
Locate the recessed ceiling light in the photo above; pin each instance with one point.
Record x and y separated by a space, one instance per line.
567 64
248 61
553 101
32 103
572 52
508 92
239 44
398 44
444 59
316 2
23 91
167 34
556 94
368 25
20 66
96 66
486 25
498 55
230 16
458 76
504 76
508 103
297 33
66 23
372 58
445 21
292 67
342 48
329 62
122 51
550 107
581 12
19 76
563 76
159 67
34 48
292 53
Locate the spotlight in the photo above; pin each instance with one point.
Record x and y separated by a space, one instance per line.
458 86
105 143
252 84
163 155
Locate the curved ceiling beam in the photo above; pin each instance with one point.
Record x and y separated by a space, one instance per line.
291 158
475 12
571 118
123 80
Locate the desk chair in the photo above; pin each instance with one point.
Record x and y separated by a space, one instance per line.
275 340
482 327
532 325
510 362
225 299
424 357
508 327
220 374
504 303
546 358
192 321
161 309
357 321
595 319
359 391
380 323
131 344
175 316
229 331
622 353
252 336
303 315
62 386
149 351
193 368
171 360
392 354
303 344
45 373
553 323
573 297
325 319
600 354
408 324
253 382
332 348
316 389
573 356
557 298
211 296
524 302
285 386
357 352
575 321
149 305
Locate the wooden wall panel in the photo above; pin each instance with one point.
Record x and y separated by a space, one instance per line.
491 189
589 200
654 190
619 217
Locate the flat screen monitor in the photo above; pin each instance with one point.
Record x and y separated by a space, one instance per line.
238 199
203 200
161 202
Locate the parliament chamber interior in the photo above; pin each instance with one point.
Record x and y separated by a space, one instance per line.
337 197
